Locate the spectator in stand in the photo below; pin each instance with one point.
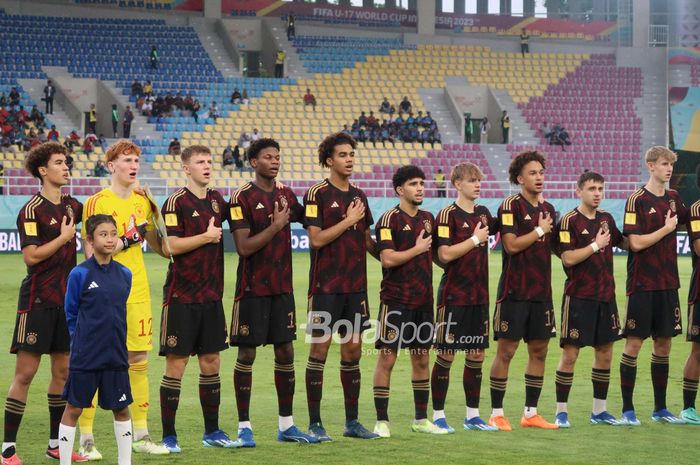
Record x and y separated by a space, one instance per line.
102 140
546 131
36 117
237 159
92 118
49 93
73 138
14 96
436 137
148 89
425 137
244 141
290 26
235 97
100 170
484 130
179 102
213 111
362 120
428 120
255 135
372 120
127 120
147 108
346 130
115 119
560 136
227 157
174 147
69 161
136 89
524 42
414 133
505 126
53 134
440 183
3 100
22 117
410 121
89 143
309 99
244 97
279 64
386 107
196 106
154 57
385 134
188 103
405 105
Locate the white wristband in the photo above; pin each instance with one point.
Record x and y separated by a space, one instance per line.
475 240
595 247
539 231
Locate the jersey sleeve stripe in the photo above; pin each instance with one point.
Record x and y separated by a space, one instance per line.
234 197
170 204
632 200
311 195
564 224
386 218
31 206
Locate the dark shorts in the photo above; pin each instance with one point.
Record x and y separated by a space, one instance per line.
588 323
401 327
41 331
263 320
653 313
524 319
693 333
189 329
114 390
341 313
464 327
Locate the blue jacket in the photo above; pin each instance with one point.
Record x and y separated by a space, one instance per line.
96 315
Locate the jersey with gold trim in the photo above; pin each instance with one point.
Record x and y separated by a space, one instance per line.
526 275
198 275
694 234
341 266
593 278
656 267
132 211
38 223
466 279
269 270
409 285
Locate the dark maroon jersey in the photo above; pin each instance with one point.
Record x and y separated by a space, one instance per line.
39 222
526 275
466 279
656 267
341 266
593 278
694 234
198 275
269 270
409 285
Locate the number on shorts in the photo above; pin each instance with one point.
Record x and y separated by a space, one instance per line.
291 324
143 325
615 321
363 304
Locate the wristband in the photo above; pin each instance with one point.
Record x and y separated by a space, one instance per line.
539 231
475 240
595 247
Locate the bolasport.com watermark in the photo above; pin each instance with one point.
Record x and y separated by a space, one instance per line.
320 328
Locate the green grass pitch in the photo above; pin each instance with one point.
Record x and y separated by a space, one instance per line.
582 444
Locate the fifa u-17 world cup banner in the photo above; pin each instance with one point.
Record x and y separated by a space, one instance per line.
391 17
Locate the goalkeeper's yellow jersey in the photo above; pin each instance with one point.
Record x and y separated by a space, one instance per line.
135 210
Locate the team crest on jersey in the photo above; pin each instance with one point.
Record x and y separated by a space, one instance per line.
695 330
391 335
357 198
450 338
316 319
604 226
283 201
672 204
139 212
574 334
428 226
244 330
171 341
504 326
31 338
70 212
631 324
215 206
484 220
